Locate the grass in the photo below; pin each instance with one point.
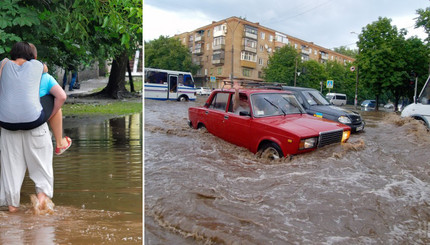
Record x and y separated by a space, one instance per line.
117 108
106 107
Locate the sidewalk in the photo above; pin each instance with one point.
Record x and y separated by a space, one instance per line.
87 86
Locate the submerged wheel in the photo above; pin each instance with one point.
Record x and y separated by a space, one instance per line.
270 151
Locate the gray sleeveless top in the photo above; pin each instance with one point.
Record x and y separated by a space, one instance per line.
19 92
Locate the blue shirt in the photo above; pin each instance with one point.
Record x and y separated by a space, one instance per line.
46 83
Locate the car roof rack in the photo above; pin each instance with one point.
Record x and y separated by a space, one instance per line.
253 84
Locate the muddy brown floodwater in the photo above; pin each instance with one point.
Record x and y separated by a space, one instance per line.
200 189
97 189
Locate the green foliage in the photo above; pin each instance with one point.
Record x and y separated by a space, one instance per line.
387 59
312 73
168 53
423 20
16 19
282 65
346 51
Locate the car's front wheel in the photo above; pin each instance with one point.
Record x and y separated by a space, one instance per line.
271 151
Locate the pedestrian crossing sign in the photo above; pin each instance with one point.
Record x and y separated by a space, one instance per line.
330 83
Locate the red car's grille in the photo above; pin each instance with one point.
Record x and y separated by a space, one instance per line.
330 137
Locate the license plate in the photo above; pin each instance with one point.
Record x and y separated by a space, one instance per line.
359 128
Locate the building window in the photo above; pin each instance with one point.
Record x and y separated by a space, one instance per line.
207 46
218 41
270 38
209 33
219 71
250 43
263 35
244 55
261 48
246 72
260 61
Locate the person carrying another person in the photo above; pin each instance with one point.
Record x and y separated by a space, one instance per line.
240 101
25 141
52 97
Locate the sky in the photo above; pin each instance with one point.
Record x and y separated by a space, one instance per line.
327 23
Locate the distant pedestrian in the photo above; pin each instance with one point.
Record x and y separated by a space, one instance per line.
74 71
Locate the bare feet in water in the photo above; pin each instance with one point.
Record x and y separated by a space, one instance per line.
13 209
42 204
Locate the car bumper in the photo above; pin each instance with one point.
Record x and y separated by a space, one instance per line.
357 127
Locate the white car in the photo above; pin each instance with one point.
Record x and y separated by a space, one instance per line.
203 91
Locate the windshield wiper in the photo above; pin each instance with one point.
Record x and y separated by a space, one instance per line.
277 107
289 102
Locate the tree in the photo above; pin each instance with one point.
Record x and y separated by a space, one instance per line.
379 61
423 20
168 53
312 73
282 65
346 51
16 22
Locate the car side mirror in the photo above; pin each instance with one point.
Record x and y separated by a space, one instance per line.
244 113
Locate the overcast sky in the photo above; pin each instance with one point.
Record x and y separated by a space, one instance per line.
327 23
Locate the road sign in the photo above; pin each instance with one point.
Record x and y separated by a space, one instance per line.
213 79
330 84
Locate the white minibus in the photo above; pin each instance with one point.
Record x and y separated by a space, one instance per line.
169 85
420 109
336 99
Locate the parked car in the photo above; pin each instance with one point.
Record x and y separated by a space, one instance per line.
368 105
316 105
336 99
271 123
203 91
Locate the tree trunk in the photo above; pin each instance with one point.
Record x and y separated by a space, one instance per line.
130 77
116 84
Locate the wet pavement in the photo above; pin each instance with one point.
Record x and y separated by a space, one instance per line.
97 189
200 189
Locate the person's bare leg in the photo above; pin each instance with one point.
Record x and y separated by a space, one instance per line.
56 123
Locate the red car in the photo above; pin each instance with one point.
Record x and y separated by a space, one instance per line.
269 122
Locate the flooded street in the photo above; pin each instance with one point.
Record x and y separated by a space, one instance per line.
97 189
200 189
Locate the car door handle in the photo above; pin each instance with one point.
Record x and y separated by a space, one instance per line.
225 117
206 112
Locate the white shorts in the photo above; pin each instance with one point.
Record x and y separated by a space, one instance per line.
20 150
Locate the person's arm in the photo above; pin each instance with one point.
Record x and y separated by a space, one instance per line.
45 68
236 99
59 98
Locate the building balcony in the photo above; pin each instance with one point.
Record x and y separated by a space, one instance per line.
218 47
249 49
306 51
198 51
324 56
219 61
199 38
248 64
250 35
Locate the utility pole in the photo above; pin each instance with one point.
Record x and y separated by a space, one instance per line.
356 76
232 49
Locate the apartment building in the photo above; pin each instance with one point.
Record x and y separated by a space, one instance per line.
240 48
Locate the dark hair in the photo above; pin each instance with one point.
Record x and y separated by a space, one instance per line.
21 50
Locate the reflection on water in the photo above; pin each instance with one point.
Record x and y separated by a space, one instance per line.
200 189
97 189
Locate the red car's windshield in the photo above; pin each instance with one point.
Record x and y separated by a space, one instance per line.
274 104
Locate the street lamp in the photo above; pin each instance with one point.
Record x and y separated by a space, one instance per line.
356 76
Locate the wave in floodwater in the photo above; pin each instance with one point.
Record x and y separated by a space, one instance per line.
200 189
